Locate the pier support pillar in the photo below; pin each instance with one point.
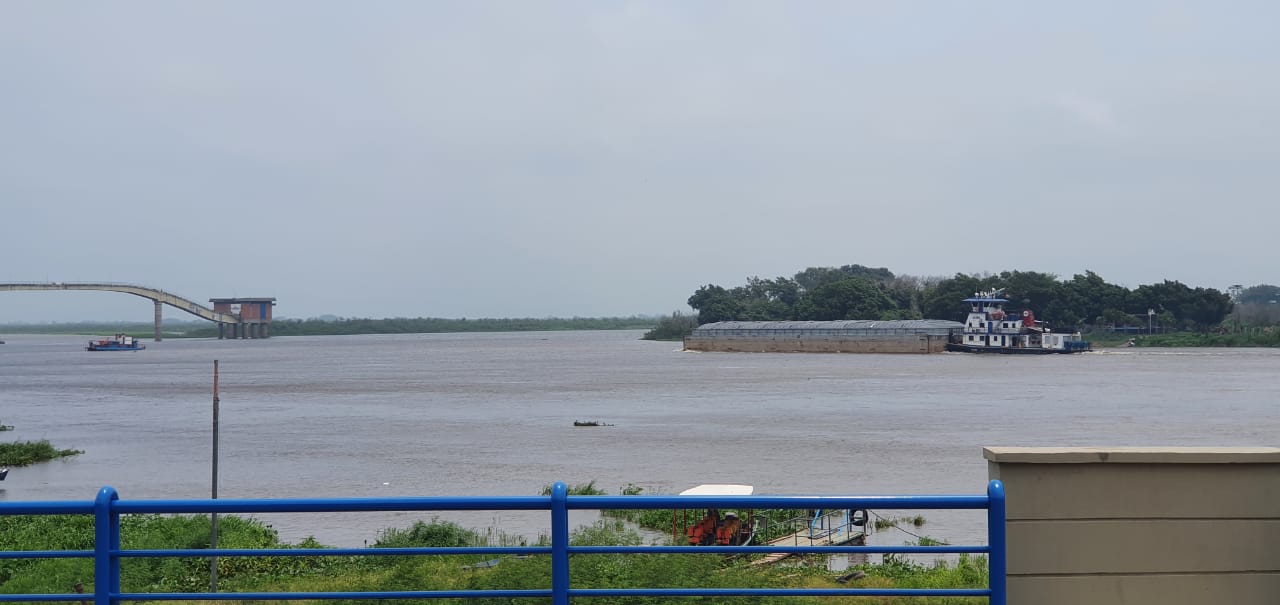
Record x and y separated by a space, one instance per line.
222 328
158 316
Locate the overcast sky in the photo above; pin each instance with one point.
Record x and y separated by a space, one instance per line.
533 159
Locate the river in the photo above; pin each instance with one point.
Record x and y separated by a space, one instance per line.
493 414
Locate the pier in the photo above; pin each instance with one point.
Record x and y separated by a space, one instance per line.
236 317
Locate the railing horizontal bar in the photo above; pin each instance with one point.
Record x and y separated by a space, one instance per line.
315 505
498 550
46 508
51 598
576 592
779 592
445 503
723 550
46 554
829 502
335 552
282 596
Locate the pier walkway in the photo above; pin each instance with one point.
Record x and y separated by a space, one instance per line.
226 312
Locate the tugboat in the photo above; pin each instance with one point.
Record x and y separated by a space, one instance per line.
989 329
119 342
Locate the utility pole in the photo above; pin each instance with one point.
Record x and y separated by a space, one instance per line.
1151 313
213 517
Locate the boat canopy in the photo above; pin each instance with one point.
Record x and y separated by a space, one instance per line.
719 489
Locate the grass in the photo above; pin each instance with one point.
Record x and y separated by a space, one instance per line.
430 573
26 453
443 572
887 522
1259 337
581 489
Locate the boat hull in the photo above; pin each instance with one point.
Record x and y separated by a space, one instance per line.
963 348
114 348
121 342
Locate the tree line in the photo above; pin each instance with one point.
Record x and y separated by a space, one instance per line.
858 292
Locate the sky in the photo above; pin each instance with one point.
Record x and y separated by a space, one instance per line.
597 158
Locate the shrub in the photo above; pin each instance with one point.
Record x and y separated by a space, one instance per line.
675 327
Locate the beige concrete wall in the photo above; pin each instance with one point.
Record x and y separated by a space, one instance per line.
906 343
1139 526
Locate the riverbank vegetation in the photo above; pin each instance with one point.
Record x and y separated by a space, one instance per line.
26 453
432 573
1086 302
674 327
1254 336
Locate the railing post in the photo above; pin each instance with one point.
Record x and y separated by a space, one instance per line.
559 544
106 546
998 562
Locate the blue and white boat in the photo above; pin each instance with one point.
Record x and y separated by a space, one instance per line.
119 342
990 329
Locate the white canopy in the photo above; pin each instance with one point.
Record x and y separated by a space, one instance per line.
719 489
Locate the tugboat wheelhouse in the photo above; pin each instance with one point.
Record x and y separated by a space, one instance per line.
990 329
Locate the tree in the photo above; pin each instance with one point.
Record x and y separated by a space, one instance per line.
813 277
853 298
766 299
1089 295
1116 318
1199 307
906 292
1034 291
1261 294
944 301
713 303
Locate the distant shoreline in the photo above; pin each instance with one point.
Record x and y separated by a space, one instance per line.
350 326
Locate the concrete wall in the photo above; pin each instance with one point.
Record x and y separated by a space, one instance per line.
893 343
1139 526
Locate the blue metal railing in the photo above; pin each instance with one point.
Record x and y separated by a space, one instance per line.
107 553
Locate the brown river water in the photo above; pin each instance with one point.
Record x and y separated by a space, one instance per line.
493 414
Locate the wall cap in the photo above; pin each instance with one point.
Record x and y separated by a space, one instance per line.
1133 455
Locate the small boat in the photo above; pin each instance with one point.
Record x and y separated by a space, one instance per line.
989 329
119 342
712 530
4 472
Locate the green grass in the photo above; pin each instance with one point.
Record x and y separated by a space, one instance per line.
25 453
1257 337
582 489
442 572
433 573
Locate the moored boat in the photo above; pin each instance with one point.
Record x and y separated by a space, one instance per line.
990 329
119 342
